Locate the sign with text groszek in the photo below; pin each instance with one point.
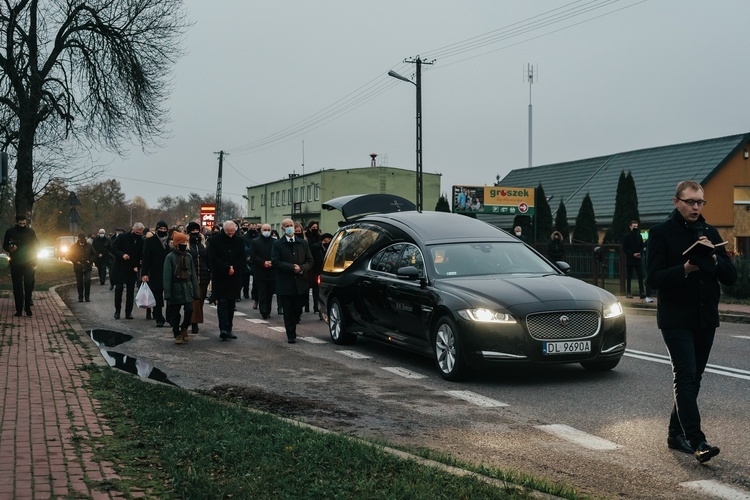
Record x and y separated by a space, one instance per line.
493 200
208 215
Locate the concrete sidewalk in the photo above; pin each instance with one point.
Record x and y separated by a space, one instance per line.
48 417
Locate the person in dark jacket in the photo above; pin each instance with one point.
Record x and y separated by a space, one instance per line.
556 247
687 309
291 258
82 255
155 250
111 260
227 255
101 246
180 287
127 251
22 245
318 251
264 275
199 253
632 247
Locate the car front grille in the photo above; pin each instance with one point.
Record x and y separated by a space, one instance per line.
563 325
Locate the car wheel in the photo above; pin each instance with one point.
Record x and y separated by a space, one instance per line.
600 365
449 355
336 326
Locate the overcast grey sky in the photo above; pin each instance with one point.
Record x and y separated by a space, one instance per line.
262 77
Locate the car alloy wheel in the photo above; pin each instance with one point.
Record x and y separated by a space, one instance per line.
447 348
336 325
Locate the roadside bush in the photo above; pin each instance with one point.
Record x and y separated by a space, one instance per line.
741 289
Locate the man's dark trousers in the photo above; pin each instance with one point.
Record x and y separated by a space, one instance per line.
689 351
639 272
292 305
23 284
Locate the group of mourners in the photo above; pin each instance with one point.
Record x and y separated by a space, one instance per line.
184 268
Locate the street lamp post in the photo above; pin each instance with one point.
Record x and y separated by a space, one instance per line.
418 84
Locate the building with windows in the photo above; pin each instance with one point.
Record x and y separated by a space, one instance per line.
300 197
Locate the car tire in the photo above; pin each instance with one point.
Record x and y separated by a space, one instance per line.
446 346
600 365
336 326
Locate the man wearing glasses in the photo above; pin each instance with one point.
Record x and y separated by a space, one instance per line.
22 245
687 309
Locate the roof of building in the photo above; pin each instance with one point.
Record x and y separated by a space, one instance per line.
655 171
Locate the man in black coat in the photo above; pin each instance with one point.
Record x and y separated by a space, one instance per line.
101 246
155 250
264 275
22 245
291 258
227 255
127 251
687 309
111 260
632 247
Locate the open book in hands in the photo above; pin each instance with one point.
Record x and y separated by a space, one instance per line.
702 248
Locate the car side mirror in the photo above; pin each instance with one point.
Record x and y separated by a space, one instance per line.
410 273
563 266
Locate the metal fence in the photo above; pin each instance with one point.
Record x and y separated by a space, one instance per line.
600 265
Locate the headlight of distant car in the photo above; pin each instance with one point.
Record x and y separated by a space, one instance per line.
612 310
485 316
43 253
64 249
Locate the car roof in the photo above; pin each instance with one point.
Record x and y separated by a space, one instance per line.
441 227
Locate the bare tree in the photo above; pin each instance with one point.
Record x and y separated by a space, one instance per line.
80 74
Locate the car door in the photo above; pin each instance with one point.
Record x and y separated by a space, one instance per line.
373 285
410 304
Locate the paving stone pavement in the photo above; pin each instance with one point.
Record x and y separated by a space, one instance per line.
48 418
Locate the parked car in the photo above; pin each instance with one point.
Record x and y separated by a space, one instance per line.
465 293
63 245
45 252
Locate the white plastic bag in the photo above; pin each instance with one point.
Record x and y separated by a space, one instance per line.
145 297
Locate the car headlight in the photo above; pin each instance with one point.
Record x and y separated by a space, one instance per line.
612 310
43 254
64 249
483 315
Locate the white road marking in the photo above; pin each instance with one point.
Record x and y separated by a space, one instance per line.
717 369
403 372
476 399
354 354
238 313
716 490
578 437
257 321
313 340
278 328
741 337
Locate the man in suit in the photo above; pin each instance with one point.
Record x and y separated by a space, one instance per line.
227 255
291 258
127 251
264 275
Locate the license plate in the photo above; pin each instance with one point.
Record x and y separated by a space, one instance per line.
566 347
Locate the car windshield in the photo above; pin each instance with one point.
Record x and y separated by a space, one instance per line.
477 259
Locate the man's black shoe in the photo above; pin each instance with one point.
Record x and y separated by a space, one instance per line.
88 299
705 452
117 315
80 299
223 335
111 287
28 311
230 335
291 341
18 313
128 316
679 443
160 324
266 316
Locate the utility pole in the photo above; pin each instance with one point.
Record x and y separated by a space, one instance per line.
531 71
218 186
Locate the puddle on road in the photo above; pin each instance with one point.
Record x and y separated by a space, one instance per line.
136 366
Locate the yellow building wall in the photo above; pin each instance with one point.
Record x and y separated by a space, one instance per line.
731 220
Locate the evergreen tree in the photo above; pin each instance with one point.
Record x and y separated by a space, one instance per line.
543 215
586 230
561 221
442 204
631 199
618 226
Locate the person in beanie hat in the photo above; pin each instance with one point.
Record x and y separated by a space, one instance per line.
180 287
155 250
199 252
82 255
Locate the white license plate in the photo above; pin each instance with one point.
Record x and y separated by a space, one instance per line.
566 347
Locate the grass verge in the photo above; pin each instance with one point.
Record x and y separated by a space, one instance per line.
49 273
173 443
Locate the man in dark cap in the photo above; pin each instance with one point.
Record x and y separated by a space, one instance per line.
155 250
22 245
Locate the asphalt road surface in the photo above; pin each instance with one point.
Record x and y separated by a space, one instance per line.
604 433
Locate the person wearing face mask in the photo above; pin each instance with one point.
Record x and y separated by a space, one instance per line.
199 253
519 234
82 255
22 245
180 287
111 259
291 258
318 250
264 275
155 250
127 251
632 246
101 246
227 255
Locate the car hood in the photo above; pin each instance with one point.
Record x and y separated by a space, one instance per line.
549 291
